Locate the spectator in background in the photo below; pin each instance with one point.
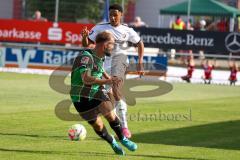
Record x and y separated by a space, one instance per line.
138 23
178 24
222 25
38 17
190 69
189 25
202 25
233 72
208 66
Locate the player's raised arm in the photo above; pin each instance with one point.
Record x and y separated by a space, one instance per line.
230 63
85 34
236 65
86 42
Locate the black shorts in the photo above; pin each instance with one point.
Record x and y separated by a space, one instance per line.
89 109
85 104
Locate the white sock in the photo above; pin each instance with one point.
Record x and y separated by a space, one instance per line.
121 108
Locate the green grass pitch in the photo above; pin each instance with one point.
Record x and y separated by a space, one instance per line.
192 122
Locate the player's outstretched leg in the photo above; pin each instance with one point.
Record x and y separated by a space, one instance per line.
101 130
116 126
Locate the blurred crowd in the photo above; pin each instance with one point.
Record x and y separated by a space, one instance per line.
221 25
208 66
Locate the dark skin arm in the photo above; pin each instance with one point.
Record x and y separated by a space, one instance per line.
86 42
140 49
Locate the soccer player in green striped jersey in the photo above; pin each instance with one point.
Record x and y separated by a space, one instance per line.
89 96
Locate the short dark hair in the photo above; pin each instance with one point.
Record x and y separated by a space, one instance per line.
103 37
116 7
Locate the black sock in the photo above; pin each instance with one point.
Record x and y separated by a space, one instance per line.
116 126
104 135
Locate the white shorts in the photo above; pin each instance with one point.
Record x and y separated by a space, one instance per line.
116 65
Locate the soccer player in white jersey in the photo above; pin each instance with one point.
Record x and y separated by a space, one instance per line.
119 60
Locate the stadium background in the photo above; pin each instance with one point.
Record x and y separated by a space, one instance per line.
193 121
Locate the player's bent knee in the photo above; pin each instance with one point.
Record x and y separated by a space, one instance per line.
110 116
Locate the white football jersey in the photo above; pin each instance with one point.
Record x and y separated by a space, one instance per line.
121 33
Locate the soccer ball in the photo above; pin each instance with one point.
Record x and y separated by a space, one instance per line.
77 132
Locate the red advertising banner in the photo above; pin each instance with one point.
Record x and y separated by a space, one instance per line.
43 32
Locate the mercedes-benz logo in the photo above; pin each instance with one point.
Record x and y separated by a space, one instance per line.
232 42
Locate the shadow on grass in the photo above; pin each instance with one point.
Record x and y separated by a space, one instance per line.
166 157
222 135
32 135
55 152
46 136
94 154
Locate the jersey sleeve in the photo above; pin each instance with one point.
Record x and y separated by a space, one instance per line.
133 36
93 33
82 63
